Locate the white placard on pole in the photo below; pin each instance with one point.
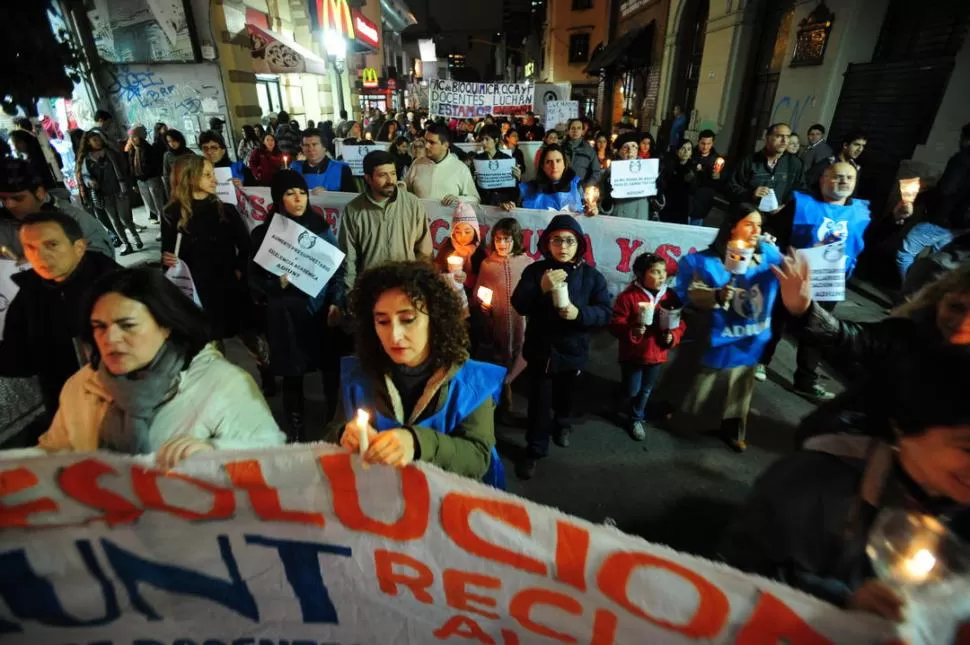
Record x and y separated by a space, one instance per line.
181 277
634 178
308 260
8 288
225 189
494 173
827 266
560 112
354 157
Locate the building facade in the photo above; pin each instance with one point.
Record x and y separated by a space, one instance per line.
573 30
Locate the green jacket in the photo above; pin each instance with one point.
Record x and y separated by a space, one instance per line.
466 451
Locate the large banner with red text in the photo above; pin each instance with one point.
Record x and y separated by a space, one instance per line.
612 242
299 545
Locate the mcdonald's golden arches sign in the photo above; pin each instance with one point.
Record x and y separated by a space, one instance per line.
326 15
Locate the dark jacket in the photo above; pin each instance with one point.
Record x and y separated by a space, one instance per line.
295 322
150 164
109 173
496 196
808 517
583 160
215 246
43 321
678 183
753 171
707 186
550 340
951 207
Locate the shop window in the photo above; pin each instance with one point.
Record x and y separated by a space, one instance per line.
580 5
270 97
579 48
141 31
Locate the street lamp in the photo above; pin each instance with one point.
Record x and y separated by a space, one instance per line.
336 48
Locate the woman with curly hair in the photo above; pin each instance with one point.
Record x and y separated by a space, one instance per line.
426 399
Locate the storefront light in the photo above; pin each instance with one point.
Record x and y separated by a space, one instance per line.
335 44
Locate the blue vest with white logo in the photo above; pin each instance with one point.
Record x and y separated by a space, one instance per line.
471 386
329 178
817 223
740 333
533 198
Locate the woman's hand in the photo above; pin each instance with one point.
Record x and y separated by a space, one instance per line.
284 281
569 313
177 449
391 448
726 293
508 207
591 210
551 278
795 283
516 173
350 439
237 182
877 598
169 259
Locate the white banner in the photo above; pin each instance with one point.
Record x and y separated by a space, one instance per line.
299 545
181 277
354 157
8 288
614 242
469 147
546 92
558 113
827 266
308 260
494 173
225 189
468 99
634 178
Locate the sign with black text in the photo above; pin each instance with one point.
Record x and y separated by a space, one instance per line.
305 258
634 178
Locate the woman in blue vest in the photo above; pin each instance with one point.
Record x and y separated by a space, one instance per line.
730 325
426 400
556 187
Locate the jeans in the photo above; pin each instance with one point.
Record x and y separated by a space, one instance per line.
118 208
550 404
153 194
924 234
808 356
696 221
638 382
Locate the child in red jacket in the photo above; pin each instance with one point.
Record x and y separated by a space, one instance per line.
644 346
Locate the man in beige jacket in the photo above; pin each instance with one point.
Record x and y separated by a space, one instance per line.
441 176
385 223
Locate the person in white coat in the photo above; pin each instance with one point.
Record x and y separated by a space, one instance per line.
155 384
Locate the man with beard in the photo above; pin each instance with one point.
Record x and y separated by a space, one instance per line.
828 217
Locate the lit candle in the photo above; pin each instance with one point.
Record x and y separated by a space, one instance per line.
591 195
908 189
286 161
718 165
485 296
646 313
455 263
363 418
738 257
917 568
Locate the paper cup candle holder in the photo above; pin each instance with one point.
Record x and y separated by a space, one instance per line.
739 254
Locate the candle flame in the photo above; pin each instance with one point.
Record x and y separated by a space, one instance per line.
363 418
485 295
920 565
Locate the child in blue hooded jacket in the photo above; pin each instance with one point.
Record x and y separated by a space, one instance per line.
557 337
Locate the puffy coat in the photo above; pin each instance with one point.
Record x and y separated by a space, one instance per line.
650 348
550 340
216 402
567 193
504 327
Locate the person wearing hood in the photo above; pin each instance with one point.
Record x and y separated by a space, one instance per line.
556 186
296 323
731 301
564 299
465 242
146 168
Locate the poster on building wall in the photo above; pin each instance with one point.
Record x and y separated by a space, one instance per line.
468 100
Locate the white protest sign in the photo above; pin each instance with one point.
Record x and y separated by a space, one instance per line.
181 277
769 203
300 545
634 178
545 92
827 266
494 173
560 112
308 260
8 288
472 148
225 189
468 99
354 157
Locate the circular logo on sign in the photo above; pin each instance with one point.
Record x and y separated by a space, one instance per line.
833 252
550 95
493 164
307 240
636 166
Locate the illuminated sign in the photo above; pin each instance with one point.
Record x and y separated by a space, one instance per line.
366 31
530 69
368 77
331 15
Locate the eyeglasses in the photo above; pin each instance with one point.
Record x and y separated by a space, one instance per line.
566 242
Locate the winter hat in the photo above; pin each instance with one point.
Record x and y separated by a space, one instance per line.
465 214
284 180
16 175
564 223
138 130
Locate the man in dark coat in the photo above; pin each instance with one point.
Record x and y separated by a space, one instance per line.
44 318
565 299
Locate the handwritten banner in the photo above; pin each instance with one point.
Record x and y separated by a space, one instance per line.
225 189
634 178
613 242
494 173
467 99
305 258
559 113
300 545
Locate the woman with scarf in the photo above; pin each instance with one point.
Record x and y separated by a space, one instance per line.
556 187
105 179
155 384
426 400
296 323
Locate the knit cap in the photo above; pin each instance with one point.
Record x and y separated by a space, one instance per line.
284 180
465 214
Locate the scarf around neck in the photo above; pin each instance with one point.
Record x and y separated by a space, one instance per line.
136 398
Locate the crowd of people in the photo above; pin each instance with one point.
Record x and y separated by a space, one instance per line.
429 342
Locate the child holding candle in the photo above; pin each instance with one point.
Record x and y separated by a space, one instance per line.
644 343
504 327
464 244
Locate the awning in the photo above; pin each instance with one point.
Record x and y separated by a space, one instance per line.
274 54
632 49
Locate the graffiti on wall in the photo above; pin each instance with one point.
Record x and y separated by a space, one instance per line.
791 111
182 96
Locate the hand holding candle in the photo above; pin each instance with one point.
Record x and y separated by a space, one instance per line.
455 263
485 297
718 165
645 313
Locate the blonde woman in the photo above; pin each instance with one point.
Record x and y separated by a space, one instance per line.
215 244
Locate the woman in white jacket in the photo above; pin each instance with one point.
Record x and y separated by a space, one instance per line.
155 384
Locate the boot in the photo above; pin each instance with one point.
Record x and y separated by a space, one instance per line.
138 243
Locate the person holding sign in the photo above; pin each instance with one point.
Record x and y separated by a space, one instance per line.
155 384
496 173
631 207
213 147
564 299
215 245
732 289
556 186
296 323
412 383
828 226
320 171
